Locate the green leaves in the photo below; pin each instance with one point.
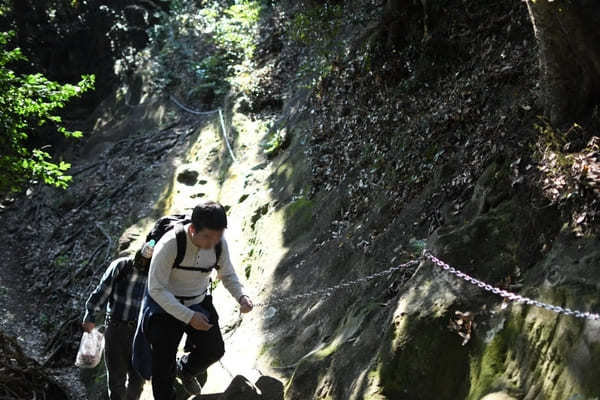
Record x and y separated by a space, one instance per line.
204 45
318 28
27 102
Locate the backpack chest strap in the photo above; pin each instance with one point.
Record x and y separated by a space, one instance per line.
197 268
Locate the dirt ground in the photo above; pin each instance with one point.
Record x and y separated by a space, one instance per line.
384 152
24 313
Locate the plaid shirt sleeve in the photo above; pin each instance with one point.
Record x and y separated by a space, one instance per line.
99 297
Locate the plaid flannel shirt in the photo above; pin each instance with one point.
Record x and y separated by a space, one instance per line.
122 299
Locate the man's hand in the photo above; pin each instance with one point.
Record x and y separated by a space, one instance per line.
245 304
200 322
88 326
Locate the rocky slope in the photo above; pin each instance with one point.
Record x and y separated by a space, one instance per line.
403 145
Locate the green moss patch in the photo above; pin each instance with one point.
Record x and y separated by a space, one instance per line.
299 218
423 348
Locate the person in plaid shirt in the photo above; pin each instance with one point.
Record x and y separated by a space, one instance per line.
120 293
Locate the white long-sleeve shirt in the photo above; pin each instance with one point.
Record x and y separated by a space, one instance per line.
166 282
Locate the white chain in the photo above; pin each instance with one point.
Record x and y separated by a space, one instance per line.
508 295
426 255
344 285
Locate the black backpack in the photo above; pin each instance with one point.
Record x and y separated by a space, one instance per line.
177 221
162 226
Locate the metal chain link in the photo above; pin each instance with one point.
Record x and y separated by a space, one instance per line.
508 295
427 255
329 290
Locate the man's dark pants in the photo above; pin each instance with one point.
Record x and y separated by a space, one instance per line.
164 334
124 383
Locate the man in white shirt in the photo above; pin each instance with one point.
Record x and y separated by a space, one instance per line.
180 291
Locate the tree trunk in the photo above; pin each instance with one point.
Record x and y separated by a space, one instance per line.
569 55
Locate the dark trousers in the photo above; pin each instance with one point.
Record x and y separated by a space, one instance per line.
164 334
124 383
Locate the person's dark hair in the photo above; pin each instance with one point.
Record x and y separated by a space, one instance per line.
209 215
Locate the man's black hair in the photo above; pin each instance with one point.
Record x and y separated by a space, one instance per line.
209 215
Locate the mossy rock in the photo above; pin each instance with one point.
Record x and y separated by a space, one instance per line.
299 218
309 370
499 234
416 364
537 353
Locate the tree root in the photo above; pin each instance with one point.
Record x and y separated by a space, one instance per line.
22 377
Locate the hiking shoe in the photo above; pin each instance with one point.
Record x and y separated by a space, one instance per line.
188 381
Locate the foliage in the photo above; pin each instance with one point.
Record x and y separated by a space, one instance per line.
277 140
27 102
235 30
274 144
203 46
318 28
62 261
309 26
569 162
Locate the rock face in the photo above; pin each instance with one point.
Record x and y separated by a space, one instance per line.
270 388
330 229
533 352
430 333
241 389
542 354
538 353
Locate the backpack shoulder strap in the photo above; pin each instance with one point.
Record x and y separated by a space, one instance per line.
218 251
181 238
